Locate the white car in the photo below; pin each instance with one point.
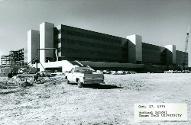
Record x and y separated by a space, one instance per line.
84 75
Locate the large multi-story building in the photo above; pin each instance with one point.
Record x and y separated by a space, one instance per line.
58 47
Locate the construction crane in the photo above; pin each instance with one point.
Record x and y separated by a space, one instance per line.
186 48
187 39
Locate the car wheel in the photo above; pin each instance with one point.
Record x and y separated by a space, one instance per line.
80 84
68 82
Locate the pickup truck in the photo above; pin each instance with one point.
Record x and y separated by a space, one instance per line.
84 75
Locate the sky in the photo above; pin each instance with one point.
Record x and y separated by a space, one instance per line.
159 22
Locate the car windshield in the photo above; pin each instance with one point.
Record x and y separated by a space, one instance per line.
83 70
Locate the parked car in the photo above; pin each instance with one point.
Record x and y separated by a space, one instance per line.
84 75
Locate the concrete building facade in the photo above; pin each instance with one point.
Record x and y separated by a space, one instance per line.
33 45
46 42
65 44
171 50
84 45
136 40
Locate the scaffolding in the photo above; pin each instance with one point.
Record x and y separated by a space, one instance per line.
14 59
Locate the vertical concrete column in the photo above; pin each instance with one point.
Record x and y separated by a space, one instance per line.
29 48
33 44
59 42
46 41
136 40
172 49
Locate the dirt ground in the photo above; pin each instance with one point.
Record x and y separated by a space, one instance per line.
110 104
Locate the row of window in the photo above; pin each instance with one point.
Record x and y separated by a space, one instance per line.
89 34
91 48
95 41
89 43
91 57
90 52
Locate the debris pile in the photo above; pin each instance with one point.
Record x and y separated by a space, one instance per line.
14 84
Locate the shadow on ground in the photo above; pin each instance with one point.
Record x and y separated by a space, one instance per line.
99 86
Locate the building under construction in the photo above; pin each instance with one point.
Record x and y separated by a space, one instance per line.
13 59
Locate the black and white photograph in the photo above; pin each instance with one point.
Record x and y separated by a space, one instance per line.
95 62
